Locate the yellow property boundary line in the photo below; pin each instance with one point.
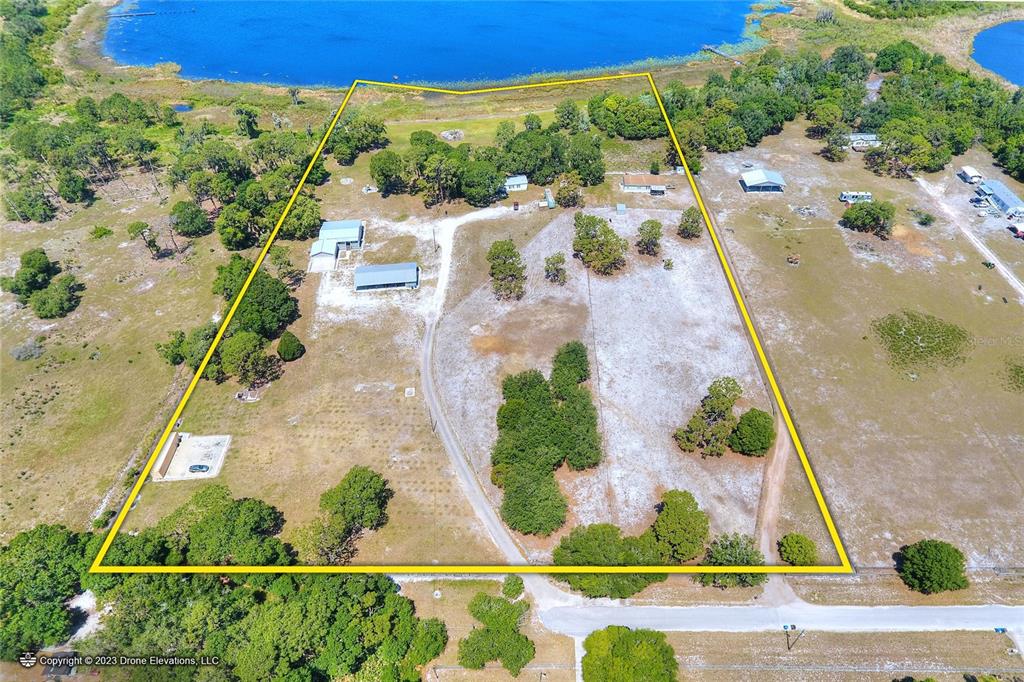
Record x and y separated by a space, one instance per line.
844 566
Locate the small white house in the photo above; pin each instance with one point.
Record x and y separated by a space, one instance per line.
516 183
762 181
860 142
970 175
856 197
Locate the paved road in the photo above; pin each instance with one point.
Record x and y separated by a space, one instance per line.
580 621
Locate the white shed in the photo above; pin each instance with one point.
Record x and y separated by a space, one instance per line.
516 183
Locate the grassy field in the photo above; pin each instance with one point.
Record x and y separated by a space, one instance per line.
840 656
900 455
73 418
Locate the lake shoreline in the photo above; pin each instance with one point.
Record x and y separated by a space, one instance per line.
93 55
971 48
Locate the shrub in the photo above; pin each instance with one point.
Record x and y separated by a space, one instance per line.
754 434
189 220
1013 374
512 587
289 347
100 231
916 341
732 549
798 550
931 566
58 299
618 654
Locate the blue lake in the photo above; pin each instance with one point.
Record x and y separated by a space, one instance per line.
331 43
999 49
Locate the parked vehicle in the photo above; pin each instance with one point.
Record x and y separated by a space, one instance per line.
198 469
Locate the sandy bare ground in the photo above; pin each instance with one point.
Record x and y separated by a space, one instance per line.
656 337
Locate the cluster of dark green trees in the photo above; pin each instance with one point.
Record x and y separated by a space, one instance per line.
926 112
713 426
541 424
619 654
294 627
246 187
262 315
499 639
37 285
597 244
871 216
632 118
562 151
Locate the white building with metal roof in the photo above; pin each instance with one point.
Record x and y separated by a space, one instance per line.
388 276
1002 198
516 183
335 236
761 180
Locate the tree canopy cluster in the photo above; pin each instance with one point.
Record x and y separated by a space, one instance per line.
499 639
598 245
870 216
619 654
927 111
37 284
632 118
359 503
289 627
542 424
442 172
678 534
713 425
904 9
508 272
264 312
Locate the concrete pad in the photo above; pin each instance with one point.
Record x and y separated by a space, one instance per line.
208 450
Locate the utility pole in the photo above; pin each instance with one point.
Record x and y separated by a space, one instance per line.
790 640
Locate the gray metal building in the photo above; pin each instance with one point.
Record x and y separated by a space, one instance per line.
389 276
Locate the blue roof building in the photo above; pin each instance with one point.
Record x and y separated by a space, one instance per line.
1003 198
389 276
516 183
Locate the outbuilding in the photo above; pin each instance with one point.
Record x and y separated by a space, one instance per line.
970 175
644 183
516 183
388 276
762 181
1002 198
862 141
335 236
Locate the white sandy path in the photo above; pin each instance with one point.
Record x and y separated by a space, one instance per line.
936 193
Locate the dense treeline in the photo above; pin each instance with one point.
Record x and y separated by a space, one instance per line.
542 424
925 113
295 627
29 28
442 172
904 9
